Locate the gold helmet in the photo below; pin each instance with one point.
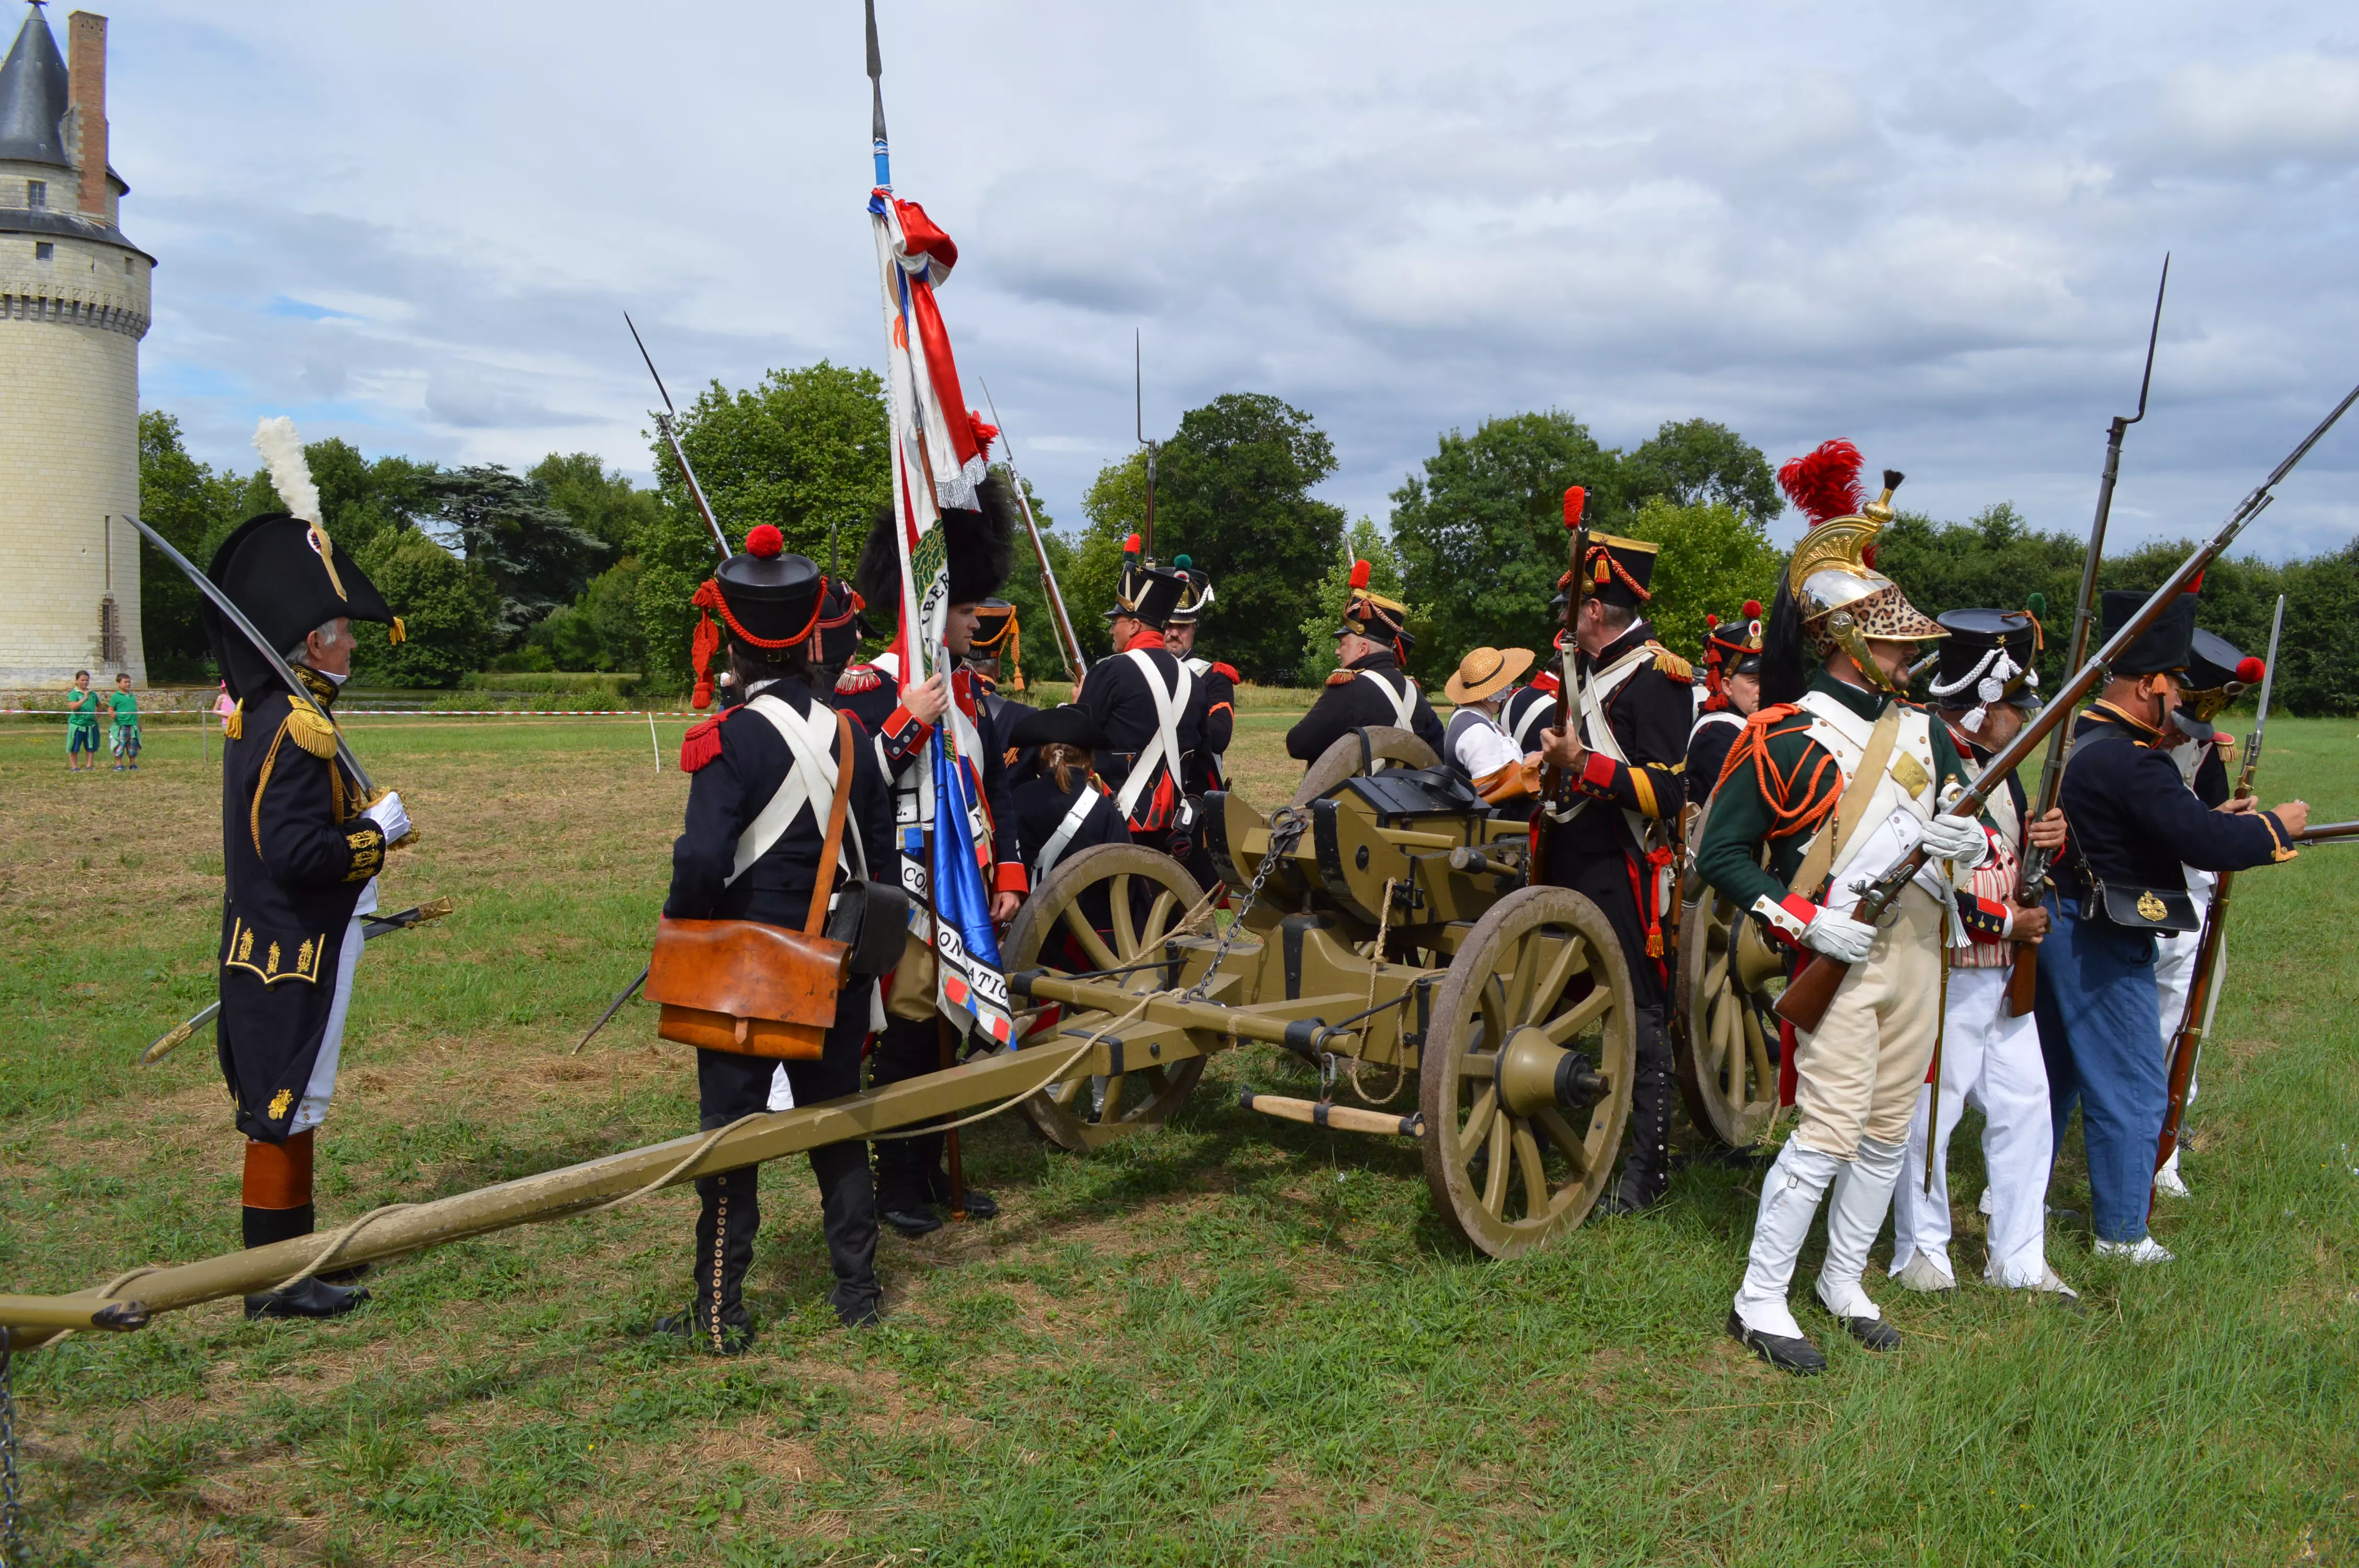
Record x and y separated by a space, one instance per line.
1843 601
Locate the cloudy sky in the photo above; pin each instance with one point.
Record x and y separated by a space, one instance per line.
1934 229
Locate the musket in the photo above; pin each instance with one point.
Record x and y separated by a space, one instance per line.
1067 644
1576 501
2188 1038
2327 833
1138 407
1804 1005
664 424
2031 883
236 617
374 926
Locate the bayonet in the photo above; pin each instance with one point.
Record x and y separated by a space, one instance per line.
2031 883
1063 624
1138 405
664 420
1576 503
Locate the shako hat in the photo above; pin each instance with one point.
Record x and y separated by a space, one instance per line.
980 545
768 600
841 625
2165 646
1730 648
1988 658
999 635
1198 594
284 573
1841 599
2217 674
1145 591
1067 725
1370 614
1616 570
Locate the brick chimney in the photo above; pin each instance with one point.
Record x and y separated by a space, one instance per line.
86 105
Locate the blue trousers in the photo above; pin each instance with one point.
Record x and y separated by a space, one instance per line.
2101 1031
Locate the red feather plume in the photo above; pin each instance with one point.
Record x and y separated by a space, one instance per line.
1824 483
1359 574
1575 500
1130 545
2250 670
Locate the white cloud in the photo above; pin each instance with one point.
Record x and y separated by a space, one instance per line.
1932 230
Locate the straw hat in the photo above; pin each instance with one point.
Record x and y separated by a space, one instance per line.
1485 673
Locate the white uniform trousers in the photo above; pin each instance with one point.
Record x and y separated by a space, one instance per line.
1991 1061
2174 964
312 1110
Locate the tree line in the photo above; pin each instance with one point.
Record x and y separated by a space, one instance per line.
568 565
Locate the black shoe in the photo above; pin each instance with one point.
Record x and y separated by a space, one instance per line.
979 1205
1871 1332
911 1221
1799 1356
686 1324
858 1309
307 1298
1619 1200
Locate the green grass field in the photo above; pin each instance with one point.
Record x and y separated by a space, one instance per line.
1234 1342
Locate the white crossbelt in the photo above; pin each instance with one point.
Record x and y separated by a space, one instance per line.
1164 750
1404 700
809 743
1075 814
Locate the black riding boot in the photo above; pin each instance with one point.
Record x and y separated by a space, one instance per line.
1647 1168
715 1318
847 1209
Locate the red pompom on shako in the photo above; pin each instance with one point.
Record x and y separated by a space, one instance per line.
1359 574
2249 670
1824 483
1753 609
766 541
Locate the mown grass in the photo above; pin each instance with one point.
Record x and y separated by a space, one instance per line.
1234 1342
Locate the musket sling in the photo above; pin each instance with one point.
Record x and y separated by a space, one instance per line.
753 990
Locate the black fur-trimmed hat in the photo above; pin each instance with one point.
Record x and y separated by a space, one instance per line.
981 545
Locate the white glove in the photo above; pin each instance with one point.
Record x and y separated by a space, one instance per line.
1957 838
390 819
1839 936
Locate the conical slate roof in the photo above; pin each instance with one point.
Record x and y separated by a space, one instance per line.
33 97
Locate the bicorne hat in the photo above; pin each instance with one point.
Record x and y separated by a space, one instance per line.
289 578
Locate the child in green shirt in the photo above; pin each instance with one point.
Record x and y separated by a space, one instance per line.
127 725
82 723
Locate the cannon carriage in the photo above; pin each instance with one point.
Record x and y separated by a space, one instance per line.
1383 929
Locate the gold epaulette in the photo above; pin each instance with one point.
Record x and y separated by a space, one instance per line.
1670 664
1343 677
311 728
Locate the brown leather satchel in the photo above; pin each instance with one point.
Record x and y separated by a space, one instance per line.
754 989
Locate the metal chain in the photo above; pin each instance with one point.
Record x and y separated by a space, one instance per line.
11 1508
1285 829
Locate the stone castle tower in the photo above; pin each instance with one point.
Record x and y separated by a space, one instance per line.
73 306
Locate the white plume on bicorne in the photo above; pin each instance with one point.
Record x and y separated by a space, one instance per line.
282 451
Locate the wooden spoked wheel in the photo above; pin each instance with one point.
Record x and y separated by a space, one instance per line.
1722 1051
1346 758
1526 1072
1106 907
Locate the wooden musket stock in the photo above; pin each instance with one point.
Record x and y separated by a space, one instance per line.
1576 501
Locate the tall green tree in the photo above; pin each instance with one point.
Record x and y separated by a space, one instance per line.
805 449
1692 461
1234 492
505 523
186 501
600 500
450 609
1713 558
1365 542
1480 534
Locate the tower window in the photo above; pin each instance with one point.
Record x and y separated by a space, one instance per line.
43 249
126 264
37 193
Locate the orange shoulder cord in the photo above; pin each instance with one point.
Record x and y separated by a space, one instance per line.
1778 789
